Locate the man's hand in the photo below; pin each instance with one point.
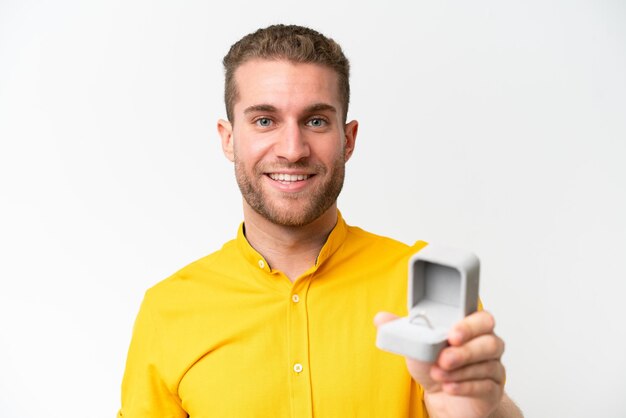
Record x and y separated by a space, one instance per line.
467 380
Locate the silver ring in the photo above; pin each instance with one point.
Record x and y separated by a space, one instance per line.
421 314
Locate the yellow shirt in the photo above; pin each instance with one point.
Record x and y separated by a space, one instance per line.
227 336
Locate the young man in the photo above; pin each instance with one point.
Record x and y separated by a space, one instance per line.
278 322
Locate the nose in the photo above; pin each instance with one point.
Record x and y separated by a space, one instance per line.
292 144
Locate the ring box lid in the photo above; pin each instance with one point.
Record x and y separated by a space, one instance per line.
443 287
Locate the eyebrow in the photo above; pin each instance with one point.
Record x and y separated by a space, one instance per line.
317 107
260 108
321 107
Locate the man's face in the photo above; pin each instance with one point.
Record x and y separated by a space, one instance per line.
287 140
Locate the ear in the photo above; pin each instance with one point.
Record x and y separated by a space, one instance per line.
225 129
350 130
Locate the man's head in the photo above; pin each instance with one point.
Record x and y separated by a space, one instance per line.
290 141
291 43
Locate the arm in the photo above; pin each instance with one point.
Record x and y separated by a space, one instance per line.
507 409
145 392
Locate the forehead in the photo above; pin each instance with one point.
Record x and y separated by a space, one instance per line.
285 84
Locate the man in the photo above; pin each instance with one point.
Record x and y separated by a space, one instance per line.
278 322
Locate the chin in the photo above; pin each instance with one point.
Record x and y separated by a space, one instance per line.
294 216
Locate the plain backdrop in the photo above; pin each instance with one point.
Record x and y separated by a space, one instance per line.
495 126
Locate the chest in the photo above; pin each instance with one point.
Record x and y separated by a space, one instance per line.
309 351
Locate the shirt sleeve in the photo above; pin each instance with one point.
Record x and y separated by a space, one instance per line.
145 393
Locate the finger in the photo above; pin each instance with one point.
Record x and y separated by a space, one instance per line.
483 348
478 323
420 372
474 388
492 369
383 317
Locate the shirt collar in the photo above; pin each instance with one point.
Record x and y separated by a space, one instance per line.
334 241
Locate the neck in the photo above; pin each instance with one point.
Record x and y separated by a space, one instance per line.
290 249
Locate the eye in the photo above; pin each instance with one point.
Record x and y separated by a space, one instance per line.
317 122
263 122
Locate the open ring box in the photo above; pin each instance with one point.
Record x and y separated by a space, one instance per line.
443 289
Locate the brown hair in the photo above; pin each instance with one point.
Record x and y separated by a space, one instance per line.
292 43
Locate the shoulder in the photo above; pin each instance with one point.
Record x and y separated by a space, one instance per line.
196 273
359 237
376 251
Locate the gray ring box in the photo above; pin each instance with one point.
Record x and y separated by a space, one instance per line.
443 289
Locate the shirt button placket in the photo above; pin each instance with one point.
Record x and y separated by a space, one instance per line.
300 380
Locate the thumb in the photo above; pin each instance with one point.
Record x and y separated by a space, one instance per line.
420 372
383 318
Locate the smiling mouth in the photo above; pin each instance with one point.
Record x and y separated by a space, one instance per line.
289 178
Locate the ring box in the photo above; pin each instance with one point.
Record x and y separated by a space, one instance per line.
443 289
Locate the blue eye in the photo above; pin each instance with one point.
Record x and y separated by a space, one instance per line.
263 122
317 122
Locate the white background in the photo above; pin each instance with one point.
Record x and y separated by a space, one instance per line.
495 126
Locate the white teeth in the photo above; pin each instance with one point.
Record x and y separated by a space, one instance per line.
288 177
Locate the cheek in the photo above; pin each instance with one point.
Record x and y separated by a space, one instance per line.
330 151
248 149
249 155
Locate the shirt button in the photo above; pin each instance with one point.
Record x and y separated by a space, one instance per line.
295 298
261 264
297 367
